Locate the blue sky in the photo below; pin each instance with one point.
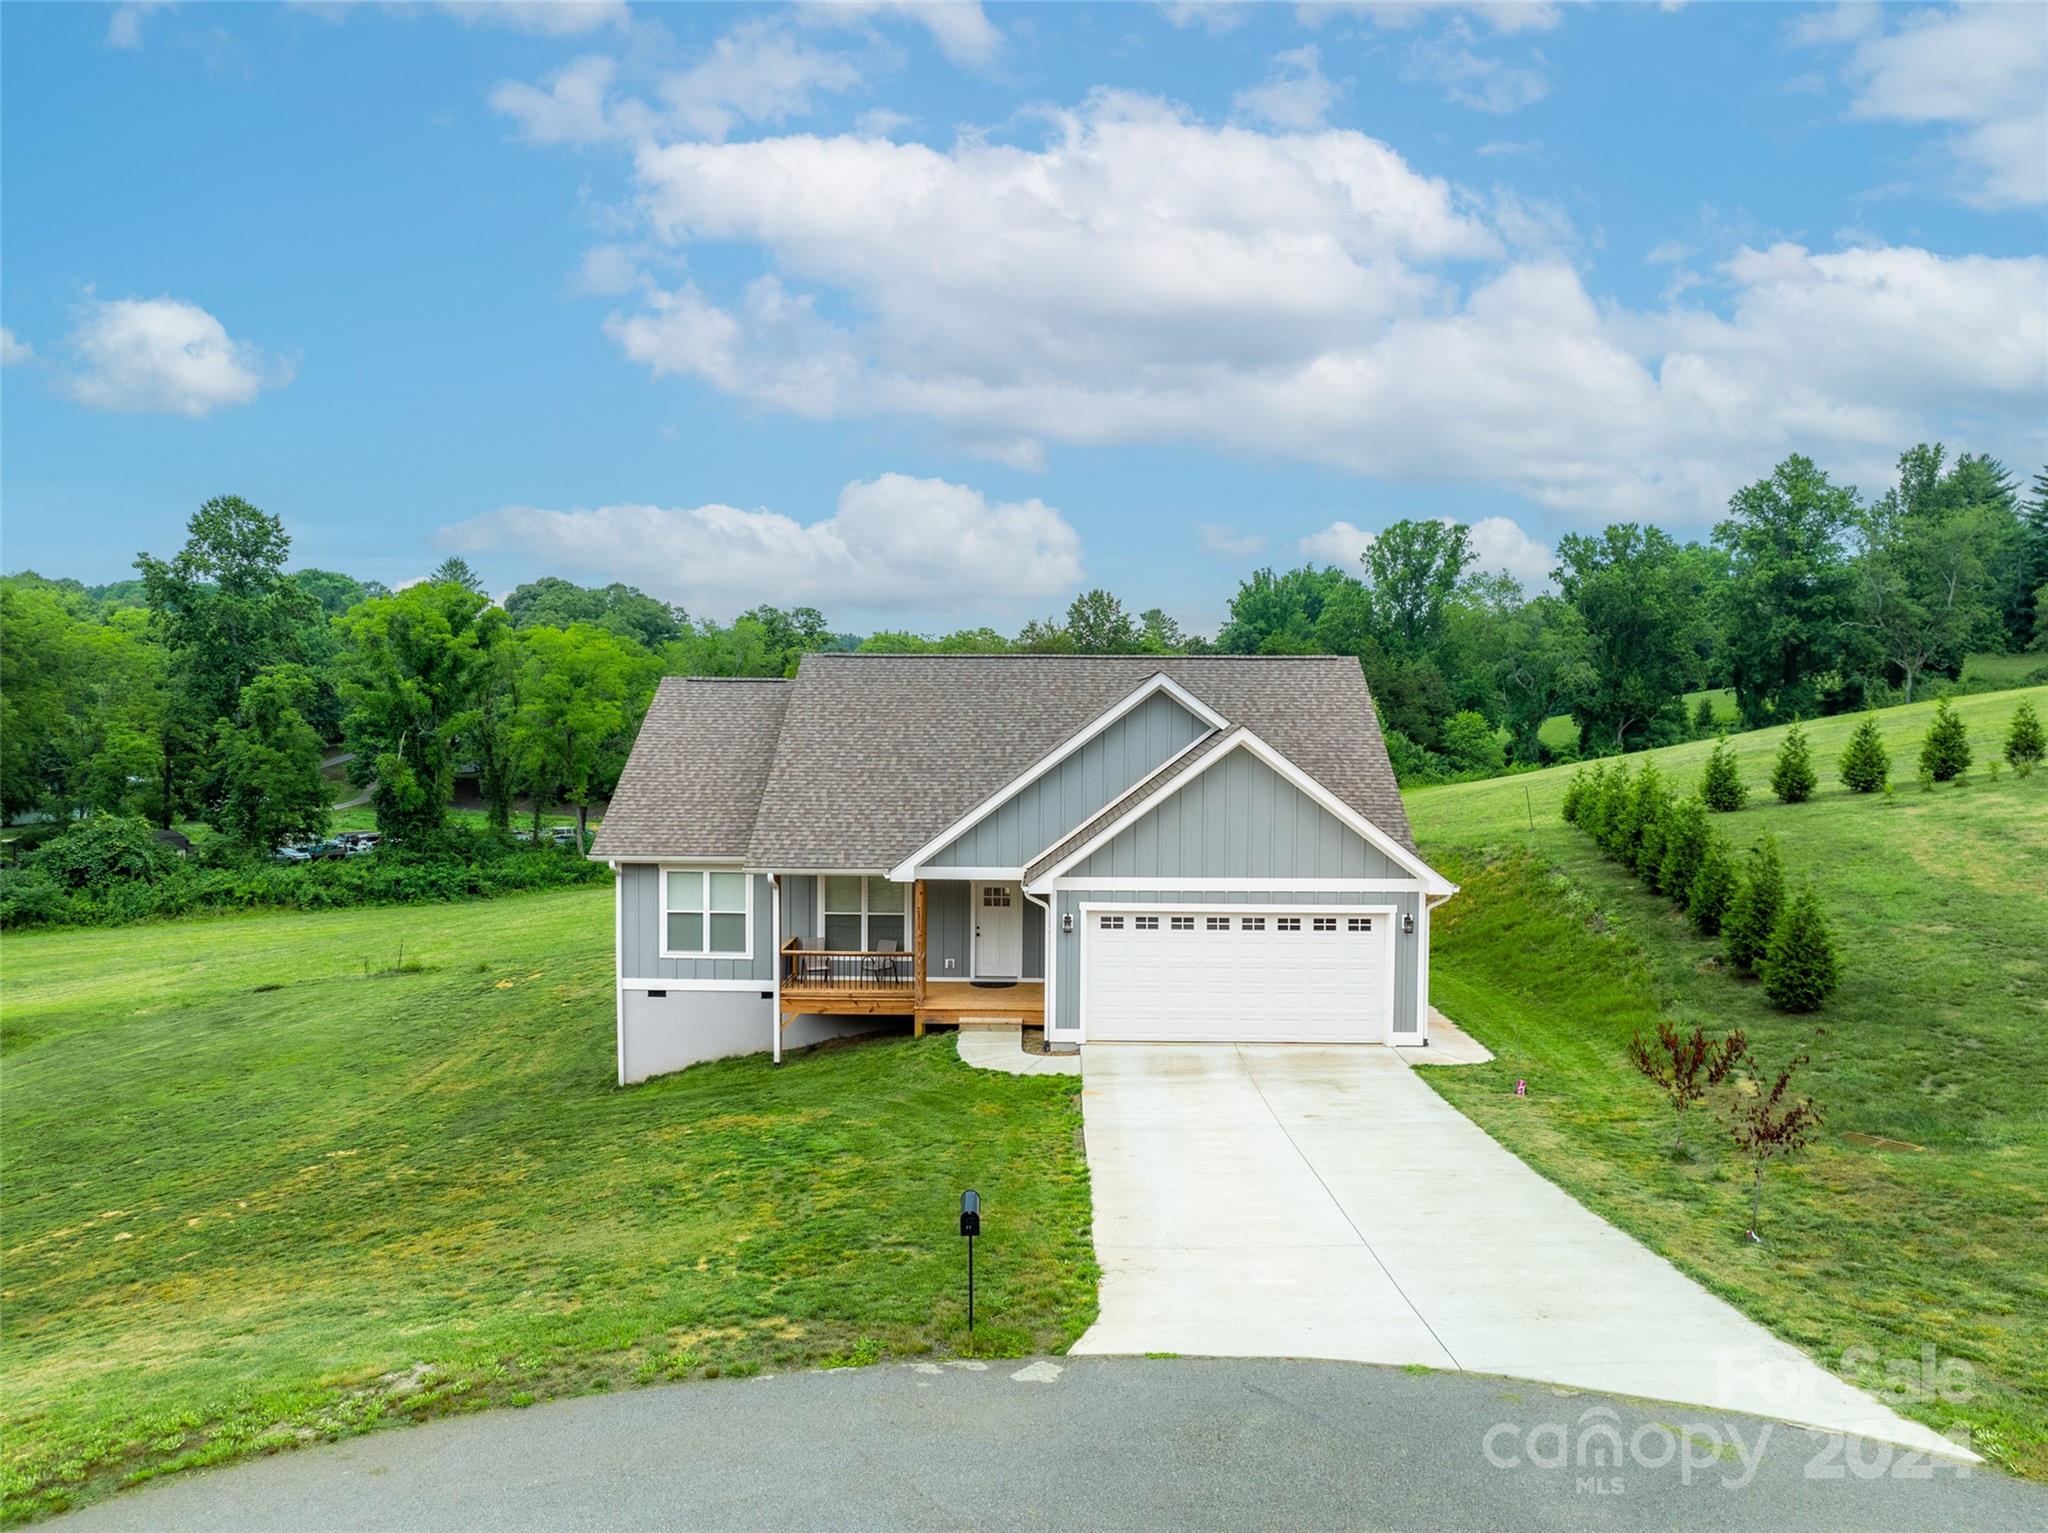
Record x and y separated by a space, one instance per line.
930 315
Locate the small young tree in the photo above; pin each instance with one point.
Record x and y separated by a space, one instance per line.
1608 810
1642 837
1713 887
1686 833
1721 786
1800 969
1945 753
1771 1125
1753 914
1703 716
1471 744
1683 1068
1792 778
2024 742
1866 764
1580 792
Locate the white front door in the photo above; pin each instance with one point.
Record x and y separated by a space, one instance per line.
1222 974
998 931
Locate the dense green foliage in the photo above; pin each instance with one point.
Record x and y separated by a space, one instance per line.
1792 775
1866 764
1713 887
364 1167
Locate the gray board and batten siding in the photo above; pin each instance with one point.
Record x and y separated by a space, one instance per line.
1094 776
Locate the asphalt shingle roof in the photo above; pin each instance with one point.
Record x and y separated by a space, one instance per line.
692 786
863 758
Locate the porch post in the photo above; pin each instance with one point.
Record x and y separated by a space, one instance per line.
917 962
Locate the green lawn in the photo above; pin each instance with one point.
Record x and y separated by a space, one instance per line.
2004 670
1554 957
262 1191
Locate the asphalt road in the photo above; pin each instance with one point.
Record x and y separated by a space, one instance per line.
1095 1443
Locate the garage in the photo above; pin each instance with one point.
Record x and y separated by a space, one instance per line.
1170 974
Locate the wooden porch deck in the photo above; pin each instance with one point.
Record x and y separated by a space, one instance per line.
886 983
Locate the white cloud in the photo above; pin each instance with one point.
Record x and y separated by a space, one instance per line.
894 545
164 355
1500 546
1213 16
1143 277
1228 541
1981 70
609 271
1399 15
1482 81
757 72
1340 544
960 28
1516 148
14 350
548 18
1295 94
125 22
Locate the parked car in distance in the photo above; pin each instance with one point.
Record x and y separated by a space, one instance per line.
292 854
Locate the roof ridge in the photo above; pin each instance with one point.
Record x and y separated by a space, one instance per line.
996 654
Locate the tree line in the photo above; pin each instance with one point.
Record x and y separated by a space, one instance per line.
216 683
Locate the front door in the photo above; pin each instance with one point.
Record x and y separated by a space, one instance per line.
998 931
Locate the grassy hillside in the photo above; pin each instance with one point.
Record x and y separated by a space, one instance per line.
267 1181
1937 1237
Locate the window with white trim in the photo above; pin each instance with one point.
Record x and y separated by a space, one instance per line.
861 914
1182 923
1145 923
1112 923
706 914
1218 923
1326 923
1288 924
1253 923
1359 924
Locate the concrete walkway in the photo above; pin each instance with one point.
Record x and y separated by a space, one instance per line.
1002 1048
1303 1201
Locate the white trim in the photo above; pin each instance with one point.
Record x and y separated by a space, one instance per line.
1242 738
833 873
619 962
908 912
1235 885
1125 907
1159 681
964 875
661 911
775 960
1048 956
675 862
762 985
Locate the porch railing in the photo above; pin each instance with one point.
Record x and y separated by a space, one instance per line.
847 969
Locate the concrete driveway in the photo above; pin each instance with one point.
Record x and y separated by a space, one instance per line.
1303 1201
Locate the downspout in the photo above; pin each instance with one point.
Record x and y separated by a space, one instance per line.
775 942
618 969
1052 957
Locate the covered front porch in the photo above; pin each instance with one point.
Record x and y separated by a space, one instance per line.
884 977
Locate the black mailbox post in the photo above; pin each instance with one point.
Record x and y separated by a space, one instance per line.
970 1226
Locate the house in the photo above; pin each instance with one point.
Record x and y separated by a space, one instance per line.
1119 847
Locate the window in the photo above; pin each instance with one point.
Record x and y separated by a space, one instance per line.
995 896
1112 923
1359 924
1218 923
1183 923
1326 923
1145 923
863 913
1253 923
1288 924
706 914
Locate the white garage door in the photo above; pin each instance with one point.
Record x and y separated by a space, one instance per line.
1286 976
